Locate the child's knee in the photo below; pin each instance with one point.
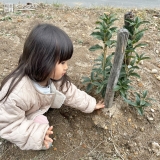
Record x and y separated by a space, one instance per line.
41 119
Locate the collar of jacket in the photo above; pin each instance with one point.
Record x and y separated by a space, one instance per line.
59 97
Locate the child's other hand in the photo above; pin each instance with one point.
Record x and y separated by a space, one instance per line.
47 139
100 105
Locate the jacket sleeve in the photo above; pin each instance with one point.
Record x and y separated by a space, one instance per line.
78 99
16 128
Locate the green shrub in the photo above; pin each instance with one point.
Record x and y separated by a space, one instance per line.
97 82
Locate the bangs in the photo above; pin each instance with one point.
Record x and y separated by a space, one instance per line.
66 48
66 54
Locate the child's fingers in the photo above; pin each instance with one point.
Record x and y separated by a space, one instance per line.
49 132
46 144
50 128
101 102
47 138
100 106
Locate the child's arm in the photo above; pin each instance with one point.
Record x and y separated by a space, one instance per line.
79 99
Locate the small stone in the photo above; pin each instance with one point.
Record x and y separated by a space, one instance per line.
150 118
142 129
140 84
157 51
155 17
129 120
55 149
155 148
5 70
141 62
136 153
158 78
154 71
152 110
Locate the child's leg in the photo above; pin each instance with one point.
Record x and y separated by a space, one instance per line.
42 120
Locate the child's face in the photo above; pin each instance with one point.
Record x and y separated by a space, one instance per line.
60 70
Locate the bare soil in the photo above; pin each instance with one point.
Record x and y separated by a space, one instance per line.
120 134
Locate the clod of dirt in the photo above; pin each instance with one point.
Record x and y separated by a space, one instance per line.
114 111
155 147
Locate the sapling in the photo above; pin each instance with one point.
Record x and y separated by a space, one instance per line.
141 101
101 69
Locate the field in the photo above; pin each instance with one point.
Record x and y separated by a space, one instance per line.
120 134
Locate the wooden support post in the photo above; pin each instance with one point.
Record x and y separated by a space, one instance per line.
122 39
128 18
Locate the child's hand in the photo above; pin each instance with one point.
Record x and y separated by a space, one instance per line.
47 139
100 105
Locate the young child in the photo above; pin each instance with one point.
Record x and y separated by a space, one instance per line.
38 83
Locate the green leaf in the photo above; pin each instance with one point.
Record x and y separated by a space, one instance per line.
145 58
113 29
105 81
97 35
95 47
108 43
113 19
151 99
137 94
130 102
134 74
108 59
140 45
147 104
144 93
138 37
140 23
100 58
140 110
99 89
138 100
108 35
86 79
133 62
117 88
96 83
89 87
135 67
123 92
142 103
126 87
141 31
92 76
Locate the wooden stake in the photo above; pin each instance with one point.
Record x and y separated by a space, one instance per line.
122 39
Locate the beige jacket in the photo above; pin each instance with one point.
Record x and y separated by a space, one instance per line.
25 103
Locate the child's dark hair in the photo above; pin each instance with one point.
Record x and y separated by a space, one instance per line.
44 47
